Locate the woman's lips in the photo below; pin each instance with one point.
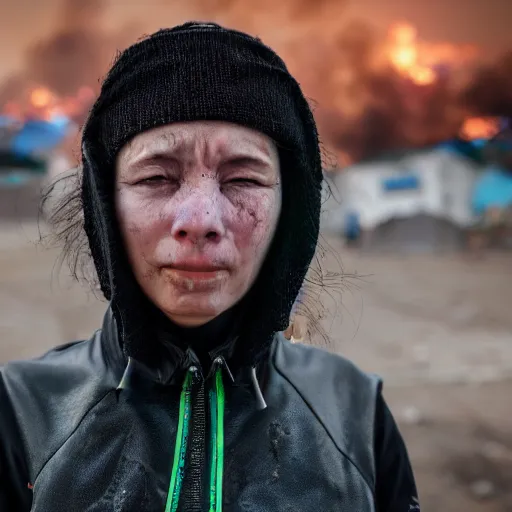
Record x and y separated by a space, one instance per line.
195 278
196 267
196 274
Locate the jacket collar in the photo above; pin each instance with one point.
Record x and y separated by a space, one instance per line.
172 369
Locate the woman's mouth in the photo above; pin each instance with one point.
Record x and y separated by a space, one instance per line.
195 278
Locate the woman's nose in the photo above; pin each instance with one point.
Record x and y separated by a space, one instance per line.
198 220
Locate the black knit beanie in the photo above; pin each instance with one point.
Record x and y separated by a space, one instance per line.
202 71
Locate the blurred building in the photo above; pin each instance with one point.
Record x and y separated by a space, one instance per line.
407 201
30 156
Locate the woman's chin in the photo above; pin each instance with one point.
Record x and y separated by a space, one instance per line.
191 312
190 320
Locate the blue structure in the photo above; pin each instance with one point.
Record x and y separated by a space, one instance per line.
352 226
36 136
492 190
401 183
470 149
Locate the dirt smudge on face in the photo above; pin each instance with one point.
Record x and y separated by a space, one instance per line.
244 210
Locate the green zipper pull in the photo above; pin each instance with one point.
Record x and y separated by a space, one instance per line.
217 405
180 448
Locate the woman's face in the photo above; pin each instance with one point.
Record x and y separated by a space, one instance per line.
198 205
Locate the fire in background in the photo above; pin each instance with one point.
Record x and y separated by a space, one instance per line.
371 91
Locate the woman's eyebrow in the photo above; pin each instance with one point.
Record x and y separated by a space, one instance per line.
251 146
248 150
255 159
156 157
161 147
169 147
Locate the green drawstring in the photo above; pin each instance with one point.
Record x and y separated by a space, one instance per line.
220 437
213 451
180 449
217 402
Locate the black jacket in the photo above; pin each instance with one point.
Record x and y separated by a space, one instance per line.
80 432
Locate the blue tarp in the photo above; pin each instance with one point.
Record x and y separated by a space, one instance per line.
492 189
38 136
469 149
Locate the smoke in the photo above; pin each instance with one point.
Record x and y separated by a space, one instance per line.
77 50
363 102
68 60
490 90
76 54
365 106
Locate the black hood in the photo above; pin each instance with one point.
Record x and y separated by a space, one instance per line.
203 72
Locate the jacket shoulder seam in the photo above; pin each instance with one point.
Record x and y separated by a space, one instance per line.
312 410
77 426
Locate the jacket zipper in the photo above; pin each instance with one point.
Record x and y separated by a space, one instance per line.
180 449
195 467
192 491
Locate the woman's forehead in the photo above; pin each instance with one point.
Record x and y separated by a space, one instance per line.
184 139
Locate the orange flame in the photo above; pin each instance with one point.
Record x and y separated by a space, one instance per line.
480 128
42 103
41 97
362 107
404 55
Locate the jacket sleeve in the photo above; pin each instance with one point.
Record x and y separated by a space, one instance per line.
395 484
14 490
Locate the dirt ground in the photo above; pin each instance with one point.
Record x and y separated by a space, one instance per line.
437 329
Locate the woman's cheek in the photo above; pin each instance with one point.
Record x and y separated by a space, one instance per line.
137 223
270 209
139 213
256 220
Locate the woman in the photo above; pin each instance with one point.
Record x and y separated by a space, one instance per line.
201 204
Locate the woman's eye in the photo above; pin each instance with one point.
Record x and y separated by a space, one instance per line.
243 181
154 179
